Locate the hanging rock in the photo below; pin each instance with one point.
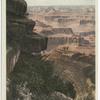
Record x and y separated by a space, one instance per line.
16 7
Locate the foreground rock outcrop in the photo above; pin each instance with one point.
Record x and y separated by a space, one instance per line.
20 35
16 7
20 39
53 76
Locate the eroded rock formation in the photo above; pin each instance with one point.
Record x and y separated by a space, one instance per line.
54 76
76 68
20 33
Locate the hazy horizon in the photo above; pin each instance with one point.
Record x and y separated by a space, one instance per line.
60 5
60 2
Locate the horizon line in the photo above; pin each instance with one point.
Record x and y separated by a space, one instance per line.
60 5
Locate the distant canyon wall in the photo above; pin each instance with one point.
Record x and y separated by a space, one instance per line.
56 41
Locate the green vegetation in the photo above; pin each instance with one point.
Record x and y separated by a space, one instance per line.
38 74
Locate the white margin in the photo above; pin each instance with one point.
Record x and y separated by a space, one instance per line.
98 79
0 50
3 50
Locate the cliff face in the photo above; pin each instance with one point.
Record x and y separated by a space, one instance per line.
20 33
12 58
20 39
61 39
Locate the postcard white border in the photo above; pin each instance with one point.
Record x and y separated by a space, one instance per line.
3 50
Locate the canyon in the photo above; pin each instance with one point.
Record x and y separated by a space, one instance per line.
50 52
65 25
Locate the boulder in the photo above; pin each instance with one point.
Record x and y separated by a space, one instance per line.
29 24
34 43
16 29
59 96
16 7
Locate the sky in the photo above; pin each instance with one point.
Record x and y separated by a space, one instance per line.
59 2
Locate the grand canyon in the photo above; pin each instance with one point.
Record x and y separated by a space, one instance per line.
70 25
50 52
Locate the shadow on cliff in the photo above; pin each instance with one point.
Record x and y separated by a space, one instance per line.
38 76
